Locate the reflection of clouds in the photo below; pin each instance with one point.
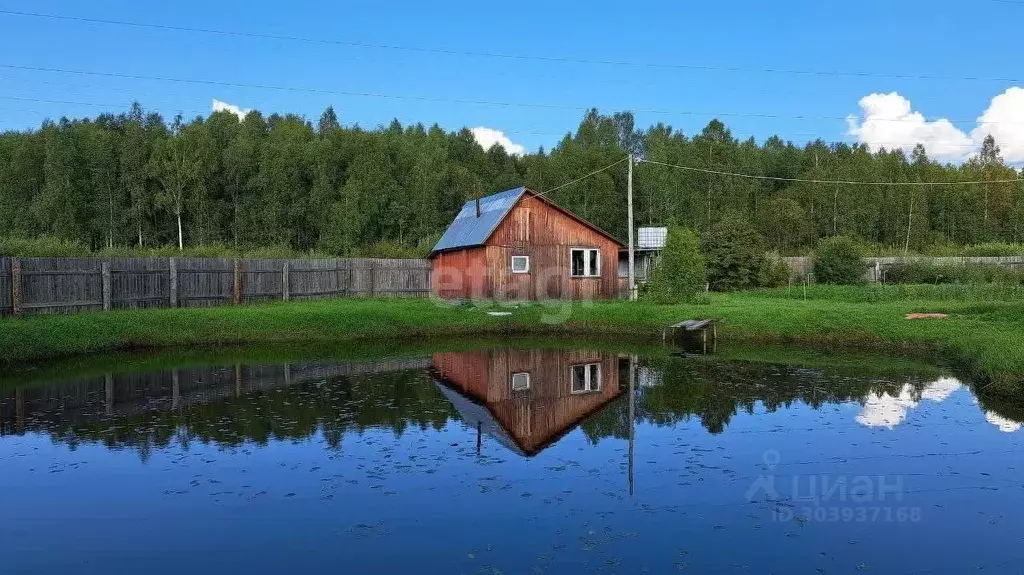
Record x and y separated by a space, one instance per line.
1004 425
890 411
939 391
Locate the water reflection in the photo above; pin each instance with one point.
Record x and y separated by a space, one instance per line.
527 399
436 464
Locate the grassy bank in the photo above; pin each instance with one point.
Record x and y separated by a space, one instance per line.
983 334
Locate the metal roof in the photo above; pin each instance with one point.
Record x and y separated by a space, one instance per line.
468 230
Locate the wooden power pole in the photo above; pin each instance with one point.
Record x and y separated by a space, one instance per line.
629 209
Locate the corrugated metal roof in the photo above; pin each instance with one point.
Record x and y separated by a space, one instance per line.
467 230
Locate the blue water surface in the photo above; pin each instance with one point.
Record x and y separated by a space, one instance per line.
434 465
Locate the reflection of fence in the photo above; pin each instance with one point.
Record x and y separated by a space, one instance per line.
874 268
69 403
71 285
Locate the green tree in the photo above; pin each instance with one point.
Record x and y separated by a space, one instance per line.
680 274
734 251
784 223
839 260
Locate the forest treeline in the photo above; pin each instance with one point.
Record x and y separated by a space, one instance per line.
135 179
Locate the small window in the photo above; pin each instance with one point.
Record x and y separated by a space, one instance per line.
520 264
520 381
585 263
586 378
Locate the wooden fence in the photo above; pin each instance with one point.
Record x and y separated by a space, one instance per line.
71 285
875 268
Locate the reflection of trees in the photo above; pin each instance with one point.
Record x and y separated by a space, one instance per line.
711 390
335 406
716 391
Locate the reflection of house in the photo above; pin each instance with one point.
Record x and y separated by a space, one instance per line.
649 244
527 399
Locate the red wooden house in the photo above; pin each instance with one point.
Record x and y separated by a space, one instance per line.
519 245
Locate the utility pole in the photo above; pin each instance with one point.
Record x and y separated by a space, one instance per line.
629 209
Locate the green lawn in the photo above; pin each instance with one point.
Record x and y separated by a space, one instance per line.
985 335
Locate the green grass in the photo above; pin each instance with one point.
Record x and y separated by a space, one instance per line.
983 335
879 293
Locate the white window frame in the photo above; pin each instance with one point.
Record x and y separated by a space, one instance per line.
590 255
590 385
513 264
512 382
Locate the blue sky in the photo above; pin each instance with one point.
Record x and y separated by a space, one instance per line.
891 38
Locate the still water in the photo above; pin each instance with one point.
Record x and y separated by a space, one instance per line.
510 461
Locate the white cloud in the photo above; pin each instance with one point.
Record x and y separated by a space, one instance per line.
219 106
487 137
889 121
1004 120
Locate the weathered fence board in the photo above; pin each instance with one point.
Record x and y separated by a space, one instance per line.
205 282
61 285
140 282
262 280
6 303
71 285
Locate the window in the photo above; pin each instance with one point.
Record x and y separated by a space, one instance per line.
520 264
520 381
586 263
586 378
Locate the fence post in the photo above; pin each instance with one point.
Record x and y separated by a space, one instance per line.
373 278
172 264
105 272
16 286
238 282
285 288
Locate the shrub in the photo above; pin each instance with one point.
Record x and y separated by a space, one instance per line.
43 247
839 260
679 275
925 272
734 251
774 271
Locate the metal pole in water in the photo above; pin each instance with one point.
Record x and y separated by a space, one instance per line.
632 416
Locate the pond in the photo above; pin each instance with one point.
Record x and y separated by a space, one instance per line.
526 458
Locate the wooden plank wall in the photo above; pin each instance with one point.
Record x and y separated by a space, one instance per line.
72 285
5 286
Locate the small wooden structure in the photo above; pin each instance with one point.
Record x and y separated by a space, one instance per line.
693 331
519 245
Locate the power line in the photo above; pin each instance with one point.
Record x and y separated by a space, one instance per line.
578 180
499 103
501 55
813 181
